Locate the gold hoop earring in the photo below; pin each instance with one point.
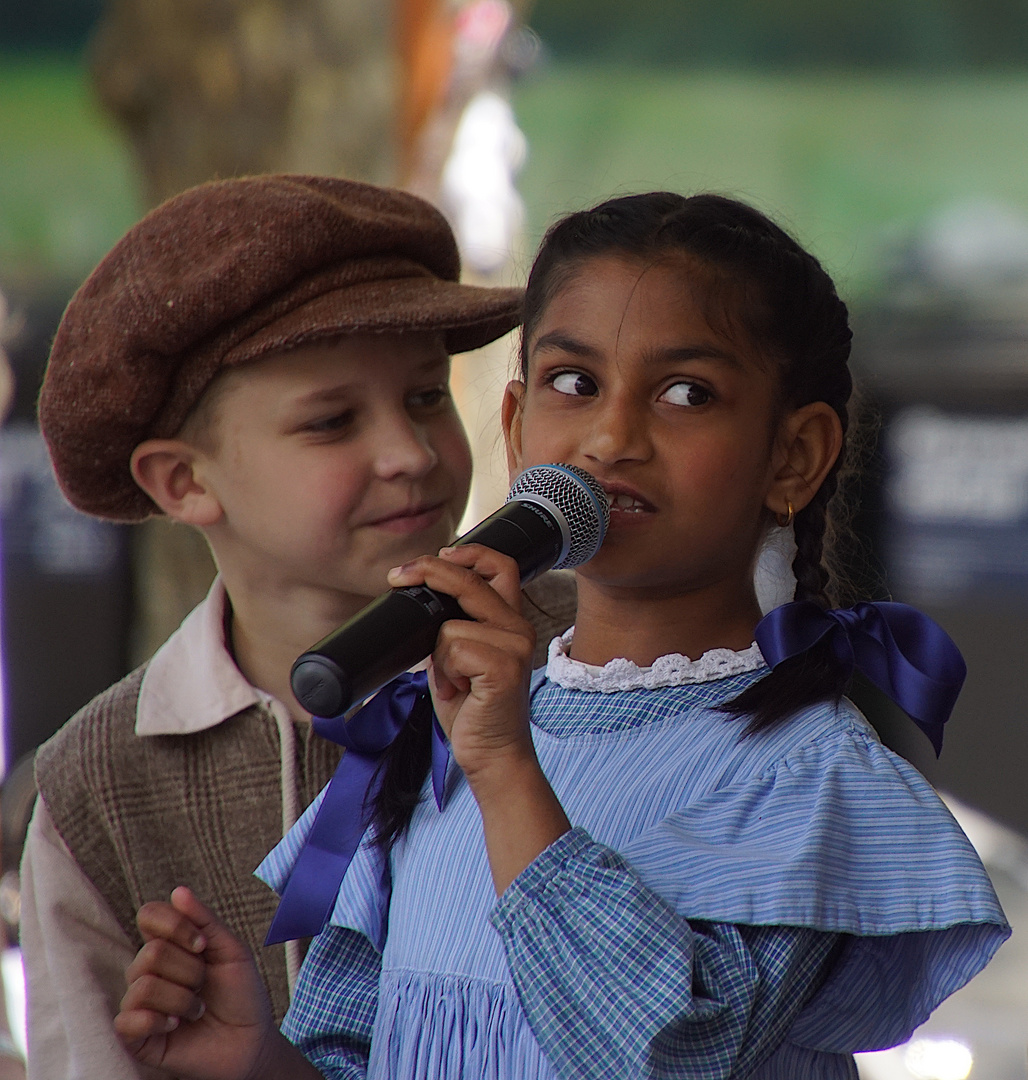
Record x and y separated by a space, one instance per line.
788 516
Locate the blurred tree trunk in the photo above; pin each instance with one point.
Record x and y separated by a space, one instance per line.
219 88
208 89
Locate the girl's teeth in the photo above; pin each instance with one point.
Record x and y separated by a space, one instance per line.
624 502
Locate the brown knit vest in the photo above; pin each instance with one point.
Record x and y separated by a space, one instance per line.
142 815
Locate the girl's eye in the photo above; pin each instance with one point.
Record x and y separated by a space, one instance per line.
686 393
574 383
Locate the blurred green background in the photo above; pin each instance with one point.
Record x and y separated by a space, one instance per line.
850 123
67 189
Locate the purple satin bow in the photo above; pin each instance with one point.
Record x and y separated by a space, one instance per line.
901 650
345 812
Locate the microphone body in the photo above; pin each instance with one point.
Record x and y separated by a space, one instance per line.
555 516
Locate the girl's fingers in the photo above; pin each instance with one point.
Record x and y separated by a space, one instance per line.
135 1027
162 921
481 662
500 571
443 688
466 651
150 993
220 945
167 961
484 582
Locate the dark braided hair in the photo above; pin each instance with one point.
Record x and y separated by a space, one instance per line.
758 280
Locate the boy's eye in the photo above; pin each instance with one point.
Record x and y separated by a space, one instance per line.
574 383
335 422
429 398
686 393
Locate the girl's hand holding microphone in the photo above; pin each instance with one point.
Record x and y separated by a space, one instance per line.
479 678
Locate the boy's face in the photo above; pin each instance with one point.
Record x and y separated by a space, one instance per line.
335 461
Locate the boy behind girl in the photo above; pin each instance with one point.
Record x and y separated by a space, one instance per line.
266 360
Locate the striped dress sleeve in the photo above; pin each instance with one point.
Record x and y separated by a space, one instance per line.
614 982
332 1014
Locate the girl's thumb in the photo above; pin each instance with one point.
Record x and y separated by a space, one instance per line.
220 944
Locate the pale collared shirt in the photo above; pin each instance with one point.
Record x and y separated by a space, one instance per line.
75 950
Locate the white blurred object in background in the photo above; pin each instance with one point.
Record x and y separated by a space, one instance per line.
13 974
773 579
477 192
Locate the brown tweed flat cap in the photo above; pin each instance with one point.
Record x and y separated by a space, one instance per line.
225 273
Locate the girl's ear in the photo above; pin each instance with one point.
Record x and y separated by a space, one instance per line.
808 445
169 471
510 413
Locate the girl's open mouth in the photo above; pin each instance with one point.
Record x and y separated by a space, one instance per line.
623 502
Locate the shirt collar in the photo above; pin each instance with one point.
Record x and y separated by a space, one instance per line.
192 683
622 674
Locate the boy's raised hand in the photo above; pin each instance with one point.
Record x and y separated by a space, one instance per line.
195 1005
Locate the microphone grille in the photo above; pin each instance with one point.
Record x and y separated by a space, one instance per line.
577 496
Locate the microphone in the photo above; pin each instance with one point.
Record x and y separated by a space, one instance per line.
555 517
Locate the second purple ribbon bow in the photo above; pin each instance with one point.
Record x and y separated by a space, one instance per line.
901 650
345 812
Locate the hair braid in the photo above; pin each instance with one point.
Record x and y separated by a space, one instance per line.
812 576
813 566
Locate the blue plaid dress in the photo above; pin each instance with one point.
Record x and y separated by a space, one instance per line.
724 906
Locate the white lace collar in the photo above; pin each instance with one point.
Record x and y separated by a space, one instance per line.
620 674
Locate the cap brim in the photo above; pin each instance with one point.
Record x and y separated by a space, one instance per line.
469 316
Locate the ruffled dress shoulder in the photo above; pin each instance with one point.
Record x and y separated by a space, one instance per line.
812 824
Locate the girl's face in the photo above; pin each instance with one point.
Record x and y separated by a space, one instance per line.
628 380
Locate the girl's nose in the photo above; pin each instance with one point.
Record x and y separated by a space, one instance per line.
403 448
616 432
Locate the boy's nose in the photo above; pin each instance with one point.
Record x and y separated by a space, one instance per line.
403 448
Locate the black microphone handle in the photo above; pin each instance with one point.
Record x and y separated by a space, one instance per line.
399 629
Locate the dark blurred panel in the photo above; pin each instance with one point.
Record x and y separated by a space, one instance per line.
66 580
985 758
789 33
46 24
944 354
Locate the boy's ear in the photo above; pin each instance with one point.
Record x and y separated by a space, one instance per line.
167 470
510 414
809 442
